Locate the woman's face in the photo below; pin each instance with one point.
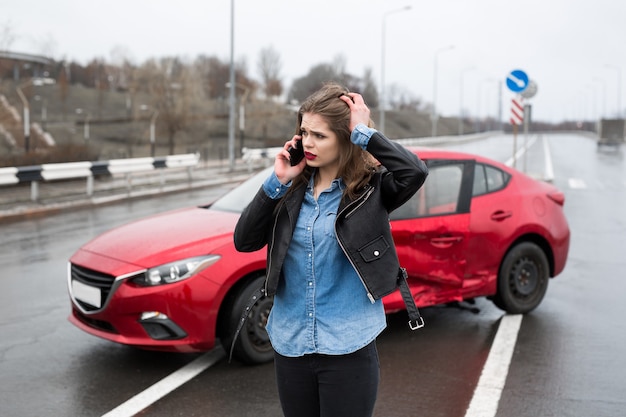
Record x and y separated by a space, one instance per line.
321 145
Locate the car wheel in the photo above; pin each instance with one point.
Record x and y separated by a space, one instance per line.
523 279
253 344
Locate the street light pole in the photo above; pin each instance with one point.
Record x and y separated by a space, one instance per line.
231 98
461 98
478 102
383 98
434 118
619 88
242 112
26 116
603 108
153 132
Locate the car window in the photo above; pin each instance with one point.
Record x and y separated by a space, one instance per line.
488 179
239 197
438 196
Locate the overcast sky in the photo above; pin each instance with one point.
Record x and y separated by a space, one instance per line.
574 50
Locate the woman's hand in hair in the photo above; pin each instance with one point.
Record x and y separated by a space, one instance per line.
282 163
360 113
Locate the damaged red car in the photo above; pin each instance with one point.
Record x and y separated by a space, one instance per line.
175 282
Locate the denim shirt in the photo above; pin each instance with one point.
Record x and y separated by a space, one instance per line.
321 305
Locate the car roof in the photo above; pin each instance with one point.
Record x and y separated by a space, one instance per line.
438 153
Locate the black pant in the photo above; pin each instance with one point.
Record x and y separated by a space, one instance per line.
329 385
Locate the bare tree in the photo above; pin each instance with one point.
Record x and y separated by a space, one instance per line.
7 36
168 81
369 90
269 66
318 75
215 75
63 80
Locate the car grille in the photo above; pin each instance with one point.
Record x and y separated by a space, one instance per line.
94 279
96 324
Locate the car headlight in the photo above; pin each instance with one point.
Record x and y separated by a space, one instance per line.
175 271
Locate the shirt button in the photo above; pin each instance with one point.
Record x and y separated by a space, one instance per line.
310 314
376 253
310 283
277 189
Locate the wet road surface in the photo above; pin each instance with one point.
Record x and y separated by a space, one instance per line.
568 359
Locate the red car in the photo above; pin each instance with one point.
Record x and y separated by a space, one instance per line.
175 282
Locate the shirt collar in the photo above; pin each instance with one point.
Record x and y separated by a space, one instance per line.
337 182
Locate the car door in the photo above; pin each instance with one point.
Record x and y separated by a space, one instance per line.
496 209
431 229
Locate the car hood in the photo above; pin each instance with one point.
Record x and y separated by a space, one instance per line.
166 237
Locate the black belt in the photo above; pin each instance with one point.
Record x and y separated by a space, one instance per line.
256 296
415 319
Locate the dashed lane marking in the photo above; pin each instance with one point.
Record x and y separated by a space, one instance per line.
576 183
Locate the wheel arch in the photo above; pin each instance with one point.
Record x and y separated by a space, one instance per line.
229 299
538 240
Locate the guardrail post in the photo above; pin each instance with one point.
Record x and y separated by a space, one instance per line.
34 190
189 173
90 185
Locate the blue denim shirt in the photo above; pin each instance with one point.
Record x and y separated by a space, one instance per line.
321 305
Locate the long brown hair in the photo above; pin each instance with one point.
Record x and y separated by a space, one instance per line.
355 165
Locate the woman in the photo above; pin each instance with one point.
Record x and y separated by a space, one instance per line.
330 253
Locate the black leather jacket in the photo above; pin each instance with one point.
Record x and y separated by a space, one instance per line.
362 225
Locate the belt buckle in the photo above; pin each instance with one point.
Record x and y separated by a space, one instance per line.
416 324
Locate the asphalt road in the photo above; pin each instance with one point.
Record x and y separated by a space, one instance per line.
567 360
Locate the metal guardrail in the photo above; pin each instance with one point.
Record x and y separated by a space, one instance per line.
76 170
256 156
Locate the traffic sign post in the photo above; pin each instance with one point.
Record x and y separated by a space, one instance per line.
517 117
518 82
517 111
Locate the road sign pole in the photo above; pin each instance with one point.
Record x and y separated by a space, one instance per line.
517 117
526 123
514 145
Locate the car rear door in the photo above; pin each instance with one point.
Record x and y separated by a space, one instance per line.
431 230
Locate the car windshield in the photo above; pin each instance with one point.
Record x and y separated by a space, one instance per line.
239 197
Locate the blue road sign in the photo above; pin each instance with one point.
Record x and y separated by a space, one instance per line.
517 81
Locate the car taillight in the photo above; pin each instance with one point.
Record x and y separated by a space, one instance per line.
558 197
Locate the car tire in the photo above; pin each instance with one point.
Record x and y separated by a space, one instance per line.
522 279
253 344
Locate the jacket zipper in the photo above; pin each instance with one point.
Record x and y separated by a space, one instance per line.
359 202
269 256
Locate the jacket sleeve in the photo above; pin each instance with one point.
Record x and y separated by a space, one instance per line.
405 171
252 229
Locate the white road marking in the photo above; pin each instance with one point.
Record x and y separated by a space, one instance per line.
493 377
576 183
167 384
520 152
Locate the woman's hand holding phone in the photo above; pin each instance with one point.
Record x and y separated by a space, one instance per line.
290 162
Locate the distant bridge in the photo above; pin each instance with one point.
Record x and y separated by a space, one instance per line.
18 59
18 56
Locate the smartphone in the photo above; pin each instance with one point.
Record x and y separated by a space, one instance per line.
296 153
